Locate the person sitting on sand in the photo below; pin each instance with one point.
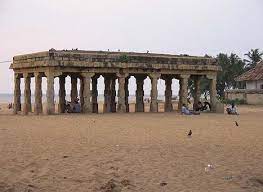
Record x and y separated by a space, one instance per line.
186 111
10 106
201 106
198 107
232 110
76 106
73 107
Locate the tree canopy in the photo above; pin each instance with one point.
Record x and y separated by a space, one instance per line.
254 56
232 66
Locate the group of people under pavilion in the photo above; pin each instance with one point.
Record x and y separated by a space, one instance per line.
87 66
78 98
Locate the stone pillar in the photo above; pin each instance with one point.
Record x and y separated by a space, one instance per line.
81 88
87 107
95 108
74 89
197 93
168 107
212 91
127 94
113 94
17 94
183 90
154 92
180 95
50 109
121 93
27 94
38 94
62 94
107 96
139 106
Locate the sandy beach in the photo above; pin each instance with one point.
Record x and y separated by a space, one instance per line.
132 152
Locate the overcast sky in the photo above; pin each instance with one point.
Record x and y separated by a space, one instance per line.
194 27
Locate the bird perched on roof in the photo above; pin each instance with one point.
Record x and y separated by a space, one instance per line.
147 51
236 124
190 133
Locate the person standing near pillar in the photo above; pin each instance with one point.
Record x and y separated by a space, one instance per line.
154 92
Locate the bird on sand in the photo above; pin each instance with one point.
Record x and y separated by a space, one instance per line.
236 124
190 133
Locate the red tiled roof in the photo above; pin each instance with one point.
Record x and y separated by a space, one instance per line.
253 74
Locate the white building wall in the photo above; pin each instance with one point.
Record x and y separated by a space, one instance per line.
251 85
259 84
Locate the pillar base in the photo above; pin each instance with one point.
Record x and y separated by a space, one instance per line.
154 107
121 108
95 108
139 107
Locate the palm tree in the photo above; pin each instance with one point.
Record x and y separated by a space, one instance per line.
254 56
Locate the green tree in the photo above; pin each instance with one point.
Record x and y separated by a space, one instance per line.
232 66
254 56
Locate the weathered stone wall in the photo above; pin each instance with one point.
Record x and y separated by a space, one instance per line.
253 97
89 65
92 59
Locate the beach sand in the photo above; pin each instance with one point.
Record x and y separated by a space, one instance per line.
132 152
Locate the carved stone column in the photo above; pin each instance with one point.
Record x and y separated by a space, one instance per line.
95 108
127 94
197 93
121 93
38 94
50 93
62 94
87 107
107 95
27 94
74 89
81 88
113 94
180 95
168 107
212 91
154 92
139 106
17 94
183 90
